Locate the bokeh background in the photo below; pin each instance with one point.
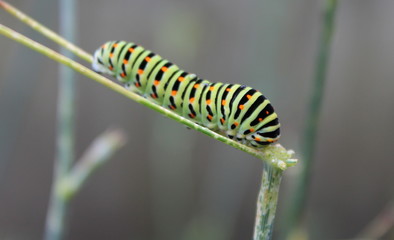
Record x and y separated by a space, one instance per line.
169 182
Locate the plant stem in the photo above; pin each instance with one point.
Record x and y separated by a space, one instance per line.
296 210
99 152
56 216
45 31
266 203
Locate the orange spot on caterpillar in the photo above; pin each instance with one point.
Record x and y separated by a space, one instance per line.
111 55
111 68
115 45
266 112
211 88
208 101
164 69
249 96
223 102
192 115
210 117
173 93
153 95
125 61
147 59
123 75
228 89
196 85
156 82
251 129
236 123
181 79
140 71
131 50
260 119
257 139
241 107
137 84
222 120
172 107
191 100
270 140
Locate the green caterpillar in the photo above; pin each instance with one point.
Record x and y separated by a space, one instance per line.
240 112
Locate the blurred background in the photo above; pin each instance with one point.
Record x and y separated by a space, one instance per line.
169 182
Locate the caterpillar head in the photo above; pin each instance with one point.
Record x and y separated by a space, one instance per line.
98 64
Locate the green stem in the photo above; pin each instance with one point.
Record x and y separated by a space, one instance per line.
45 31
259 153
99 152
295 214
266 203
56 216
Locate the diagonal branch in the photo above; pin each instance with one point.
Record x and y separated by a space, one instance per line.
45 31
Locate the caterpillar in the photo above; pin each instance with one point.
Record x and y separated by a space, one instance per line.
240 112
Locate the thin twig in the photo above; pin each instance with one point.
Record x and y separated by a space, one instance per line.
266 203
295 212
57 211
46 32
100 150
